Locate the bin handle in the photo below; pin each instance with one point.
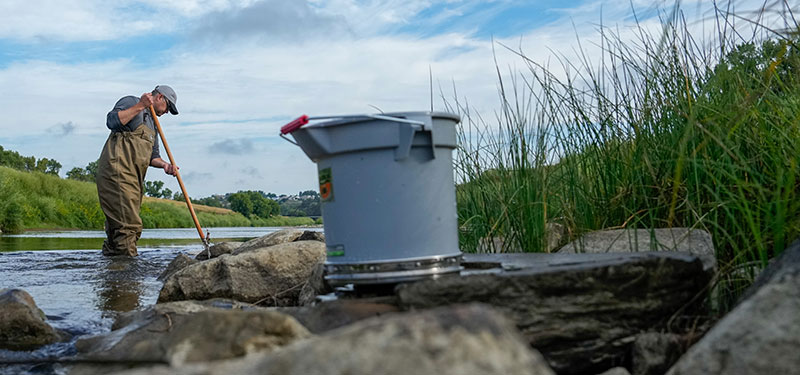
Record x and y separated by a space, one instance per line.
303 120
402 150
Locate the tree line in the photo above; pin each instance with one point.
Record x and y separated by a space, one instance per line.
251 204
13 159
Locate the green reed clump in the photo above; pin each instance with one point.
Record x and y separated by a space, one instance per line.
661 131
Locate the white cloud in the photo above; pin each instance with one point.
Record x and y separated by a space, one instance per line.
244 88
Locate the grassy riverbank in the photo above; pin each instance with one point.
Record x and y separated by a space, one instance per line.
666 130
36 200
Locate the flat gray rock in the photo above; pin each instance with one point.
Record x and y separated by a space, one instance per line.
581 311
693 241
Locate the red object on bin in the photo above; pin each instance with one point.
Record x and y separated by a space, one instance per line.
294 125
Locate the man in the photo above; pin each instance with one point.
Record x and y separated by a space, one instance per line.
131 147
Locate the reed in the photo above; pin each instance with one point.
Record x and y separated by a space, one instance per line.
662 131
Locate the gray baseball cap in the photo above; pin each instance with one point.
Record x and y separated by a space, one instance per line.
172 98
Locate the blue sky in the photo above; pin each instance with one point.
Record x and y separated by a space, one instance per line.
242 68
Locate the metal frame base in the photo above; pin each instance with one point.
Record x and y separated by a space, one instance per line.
392 271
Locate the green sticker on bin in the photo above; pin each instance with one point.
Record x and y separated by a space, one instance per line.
336 251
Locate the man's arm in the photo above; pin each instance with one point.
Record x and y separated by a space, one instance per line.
168 168
126 115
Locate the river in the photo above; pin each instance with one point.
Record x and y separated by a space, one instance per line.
80 290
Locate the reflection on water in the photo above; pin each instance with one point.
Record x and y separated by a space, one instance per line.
120 285
80 290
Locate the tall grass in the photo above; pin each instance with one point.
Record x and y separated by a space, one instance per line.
661 131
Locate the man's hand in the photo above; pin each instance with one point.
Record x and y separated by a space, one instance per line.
146 100
171 169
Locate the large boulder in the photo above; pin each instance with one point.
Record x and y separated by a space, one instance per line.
22 323
217 250
761 335
454 340
694 241
272 239
190 331
271 276
581 311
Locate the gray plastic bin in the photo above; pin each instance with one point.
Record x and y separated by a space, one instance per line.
387 192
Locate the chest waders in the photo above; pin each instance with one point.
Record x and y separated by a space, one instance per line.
120 186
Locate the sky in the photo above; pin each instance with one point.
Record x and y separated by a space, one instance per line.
243 68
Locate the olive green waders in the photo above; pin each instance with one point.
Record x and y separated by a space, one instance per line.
120 186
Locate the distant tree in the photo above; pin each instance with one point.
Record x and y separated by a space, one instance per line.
83 174
241 203
91 170
309 193
153 188
178 196
253 203
166 193
75 174
272 196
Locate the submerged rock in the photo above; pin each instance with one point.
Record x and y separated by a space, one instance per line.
581 311
272 276
218 249
190 331
761 335
455 340
22 323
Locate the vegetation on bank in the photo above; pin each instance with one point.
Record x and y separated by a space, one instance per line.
39 200
663 131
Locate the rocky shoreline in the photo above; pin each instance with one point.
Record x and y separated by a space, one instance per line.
600 305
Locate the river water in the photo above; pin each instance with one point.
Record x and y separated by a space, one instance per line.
80 290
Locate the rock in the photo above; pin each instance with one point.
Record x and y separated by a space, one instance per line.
581 311
617 371
761 335
272 239
272 276
22 323
449 341
554 234
311 235
315 286
694 241
326 316
218 249
180 262
654 353
784 265
188 331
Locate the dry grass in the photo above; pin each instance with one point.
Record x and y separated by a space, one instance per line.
197 207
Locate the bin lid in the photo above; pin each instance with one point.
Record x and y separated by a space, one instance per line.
409 115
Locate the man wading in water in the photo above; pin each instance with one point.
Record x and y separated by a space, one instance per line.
131 147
